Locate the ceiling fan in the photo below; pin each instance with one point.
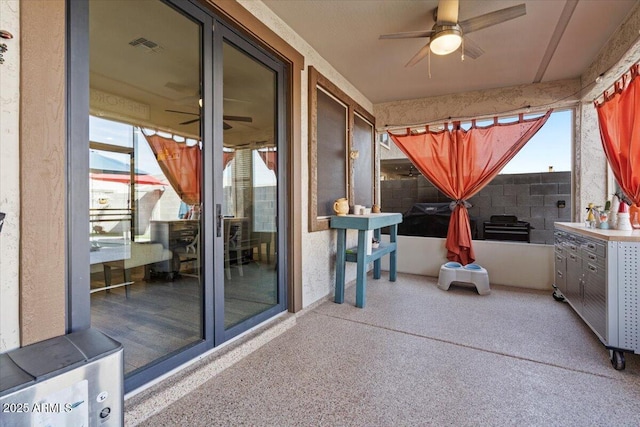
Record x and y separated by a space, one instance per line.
225 125
446 34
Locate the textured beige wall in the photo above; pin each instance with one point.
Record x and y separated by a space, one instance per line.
42 170
622 51
530 266
560 94
9 178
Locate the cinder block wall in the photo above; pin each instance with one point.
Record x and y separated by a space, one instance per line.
532 197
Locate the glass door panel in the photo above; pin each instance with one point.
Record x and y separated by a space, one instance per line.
250 186
145 175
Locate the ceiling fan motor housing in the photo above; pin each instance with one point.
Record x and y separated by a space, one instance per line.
446 38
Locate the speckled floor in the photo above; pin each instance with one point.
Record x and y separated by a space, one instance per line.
417 355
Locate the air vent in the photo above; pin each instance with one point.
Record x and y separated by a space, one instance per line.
145 44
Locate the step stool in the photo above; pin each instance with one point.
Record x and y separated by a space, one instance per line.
471 273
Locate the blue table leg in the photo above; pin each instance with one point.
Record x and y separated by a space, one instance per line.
361 280
377 266
340 264
393 234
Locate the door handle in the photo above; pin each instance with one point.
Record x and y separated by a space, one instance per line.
218 220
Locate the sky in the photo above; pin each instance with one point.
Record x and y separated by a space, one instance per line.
551 146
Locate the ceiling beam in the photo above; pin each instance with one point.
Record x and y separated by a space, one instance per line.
561 26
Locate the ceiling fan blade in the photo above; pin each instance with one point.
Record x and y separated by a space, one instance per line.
238 118
492 18
188 122
182 112
447 12
225 125
244 101
419 56
471 49
407 35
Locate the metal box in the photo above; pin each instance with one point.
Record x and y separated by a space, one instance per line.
71 380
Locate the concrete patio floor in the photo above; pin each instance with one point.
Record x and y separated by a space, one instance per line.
415 355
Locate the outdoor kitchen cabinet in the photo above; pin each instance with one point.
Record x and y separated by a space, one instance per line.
598 273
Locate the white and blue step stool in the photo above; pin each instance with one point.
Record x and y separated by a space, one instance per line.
474 274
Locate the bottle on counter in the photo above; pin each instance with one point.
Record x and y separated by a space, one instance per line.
591 218
623 217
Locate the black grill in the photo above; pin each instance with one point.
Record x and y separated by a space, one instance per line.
507 227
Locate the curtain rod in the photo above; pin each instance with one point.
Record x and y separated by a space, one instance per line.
527 109
612 87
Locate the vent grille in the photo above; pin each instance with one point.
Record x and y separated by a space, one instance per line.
145 44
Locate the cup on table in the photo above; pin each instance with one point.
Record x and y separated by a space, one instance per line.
366 211
357 209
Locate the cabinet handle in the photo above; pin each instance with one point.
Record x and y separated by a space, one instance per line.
592 268
559 273
572 256
591 246
592 257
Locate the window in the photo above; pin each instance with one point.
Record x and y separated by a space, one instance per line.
341 151
535 187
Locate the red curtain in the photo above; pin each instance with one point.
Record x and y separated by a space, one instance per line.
227 156
619 119
270 158
460 163
181 164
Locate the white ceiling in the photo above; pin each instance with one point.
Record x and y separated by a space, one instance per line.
345 33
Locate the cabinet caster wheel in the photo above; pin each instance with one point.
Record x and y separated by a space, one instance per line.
557 296
617 360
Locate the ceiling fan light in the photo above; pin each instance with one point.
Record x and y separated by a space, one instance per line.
446 41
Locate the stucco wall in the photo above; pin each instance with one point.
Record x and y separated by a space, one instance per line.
9 178
486 103
622 51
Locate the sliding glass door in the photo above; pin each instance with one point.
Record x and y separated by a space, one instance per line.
250 185
184 152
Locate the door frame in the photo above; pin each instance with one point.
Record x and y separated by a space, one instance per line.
221 34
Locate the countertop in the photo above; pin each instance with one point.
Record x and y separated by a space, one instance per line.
610 235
